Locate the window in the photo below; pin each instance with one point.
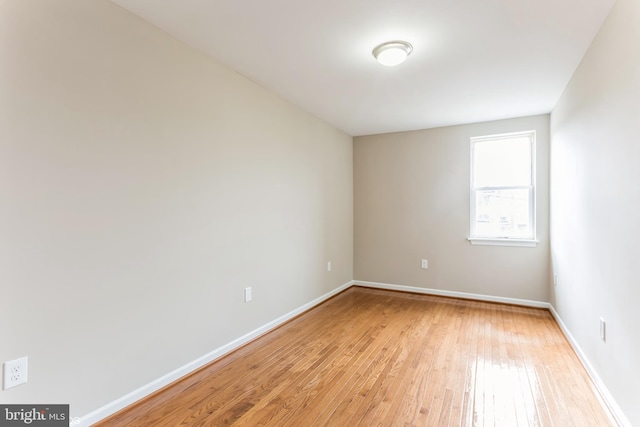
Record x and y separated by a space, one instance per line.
503 189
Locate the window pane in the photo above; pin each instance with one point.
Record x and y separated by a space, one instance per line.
505 162
503 213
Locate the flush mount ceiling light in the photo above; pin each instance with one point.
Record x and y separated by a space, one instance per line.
392 53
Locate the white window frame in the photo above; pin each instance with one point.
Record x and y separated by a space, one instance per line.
498 240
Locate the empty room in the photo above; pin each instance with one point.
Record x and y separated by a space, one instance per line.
357 213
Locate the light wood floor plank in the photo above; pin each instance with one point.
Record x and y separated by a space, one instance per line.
380 358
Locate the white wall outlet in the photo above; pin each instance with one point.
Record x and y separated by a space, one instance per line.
329 266
555 280
247 294
603 329
424 264
15 372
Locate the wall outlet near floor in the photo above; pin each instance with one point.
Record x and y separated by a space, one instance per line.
15 372
555 280
603 329
329 266
247 294
424 264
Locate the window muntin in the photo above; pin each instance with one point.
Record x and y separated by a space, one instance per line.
503 187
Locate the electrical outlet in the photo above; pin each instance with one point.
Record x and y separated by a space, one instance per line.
329 266
15 372
603 329
247 294
555 280
424 264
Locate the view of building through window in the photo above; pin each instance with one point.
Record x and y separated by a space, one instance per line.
502 187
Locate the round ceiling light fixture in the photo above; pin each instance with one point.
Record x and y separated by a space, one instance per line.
392 53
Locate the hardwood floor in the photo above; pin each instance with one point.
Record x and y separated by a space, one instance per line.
379 358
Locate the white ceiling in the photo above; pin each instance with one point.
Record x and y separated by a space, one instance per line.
473 60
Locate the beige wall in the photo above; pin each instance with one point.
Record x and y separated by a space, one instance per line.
595 159
412 202
142 187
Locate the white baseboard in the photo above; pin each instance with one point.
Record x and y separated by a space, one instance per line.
606 396
454 294
130 398
140 393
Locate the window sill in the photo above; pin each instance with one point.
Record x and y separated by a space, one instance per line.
503 242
